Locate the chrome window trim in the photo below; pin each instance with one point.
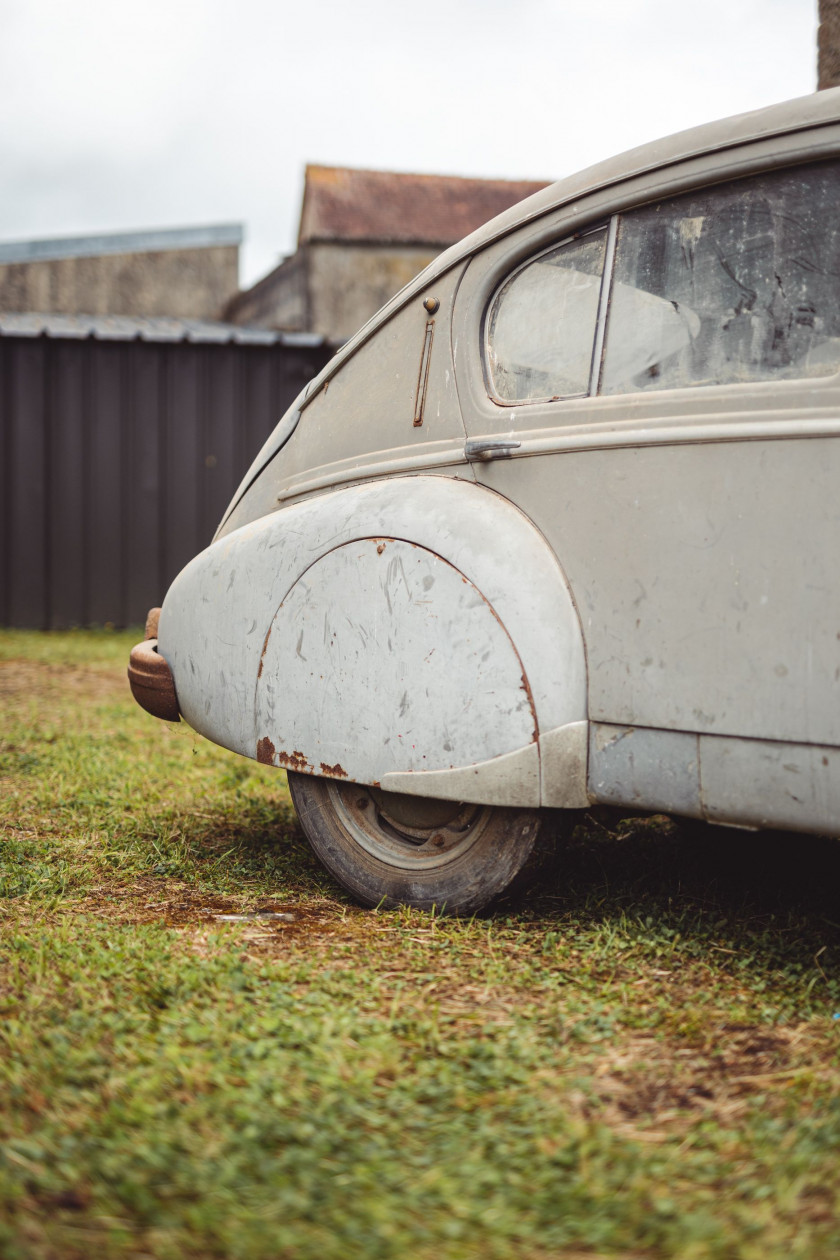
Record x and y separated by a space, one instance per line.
603 308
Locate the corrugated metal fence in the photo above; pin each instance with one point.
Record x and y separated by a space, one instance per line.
119 457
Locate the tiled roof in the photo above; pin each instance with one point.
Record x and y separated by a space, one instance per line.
340 204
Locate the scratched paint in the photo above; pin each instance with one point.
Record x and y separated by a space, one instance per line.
203 633
385 659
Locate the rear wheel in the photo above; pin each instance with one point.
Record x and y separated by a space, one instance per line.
389 849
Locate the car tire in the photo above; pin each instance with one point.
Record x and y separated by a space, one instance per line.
388 849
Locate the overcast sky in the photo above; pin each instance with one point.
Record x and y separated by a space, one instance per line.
171 113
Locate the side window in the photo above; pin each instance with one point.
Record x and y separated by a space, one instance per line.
738 282
541 329
735 283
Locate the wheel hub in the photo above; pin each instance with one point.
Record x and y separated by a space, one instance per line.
409 832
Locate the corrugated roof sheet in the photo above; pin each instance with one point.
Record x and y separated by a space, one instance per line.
150 240
146 328
341 204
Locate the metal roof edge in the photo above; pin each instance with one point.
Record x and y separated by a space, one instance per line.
151 328
375 242
153 240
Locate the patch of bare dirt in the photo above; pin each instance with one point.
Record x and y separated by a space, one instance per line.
22 681
151 900
646 1086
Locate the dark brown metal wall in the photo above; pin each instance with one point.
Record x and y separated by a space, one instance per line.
117 461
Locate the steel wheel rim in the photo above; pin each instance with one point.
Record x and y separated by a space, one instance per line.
407 833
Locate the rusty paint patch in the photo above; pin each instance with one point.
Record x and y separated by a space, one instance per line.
294 761
263 652
336 771
526 687
265 751
423 376
380 549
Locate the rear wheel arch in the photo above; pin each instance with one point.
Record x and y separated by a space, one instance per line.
219 612
480 559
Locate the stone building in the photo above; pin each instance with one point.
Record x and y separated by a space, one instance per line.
828 44
182 273
362 236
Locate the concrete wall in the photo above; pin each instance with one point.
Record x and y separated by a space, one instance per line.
193 283
828 38
349 282
329 288
279 300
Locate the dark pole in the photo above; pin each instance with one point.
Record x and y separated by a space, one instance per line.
828 45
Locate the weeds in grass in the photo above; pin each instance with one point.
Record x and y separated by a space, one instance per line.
640 1059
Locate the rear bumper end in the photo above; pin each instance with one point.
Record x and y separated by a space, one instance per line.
150 677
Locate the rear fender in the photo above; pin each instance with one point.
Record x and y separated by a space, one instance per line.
415 632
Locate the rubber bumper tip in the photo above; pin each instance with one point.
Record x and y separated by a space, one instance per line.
151 682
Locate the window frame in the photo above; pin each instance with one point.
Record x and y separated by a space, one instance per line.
610 226
613 224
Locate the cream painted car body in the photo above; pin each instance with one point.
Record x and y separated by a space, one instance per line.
629 598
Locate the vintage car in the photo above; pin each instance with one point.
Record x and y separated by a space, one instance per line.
559 525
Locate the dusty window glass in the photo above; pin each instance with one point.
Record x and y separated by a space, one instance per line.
541 329
734 283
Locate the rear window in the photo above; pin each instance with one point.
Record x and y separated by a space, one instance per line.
738 282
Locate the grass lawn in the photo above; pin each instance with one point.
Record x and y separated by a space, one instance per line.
640 1060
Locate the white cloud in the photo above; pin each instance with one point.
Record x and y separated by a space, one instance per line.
187 111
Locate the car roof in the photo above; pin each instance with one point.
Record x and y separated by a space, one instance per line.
803 113
819 109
